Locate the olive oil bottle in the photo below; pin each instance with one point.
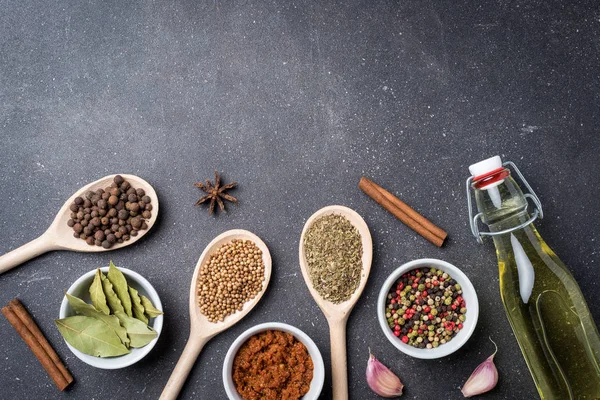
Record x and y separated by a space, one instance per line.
544 305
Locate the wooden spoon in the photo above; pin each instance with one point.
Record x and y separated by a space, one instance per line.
201 330
59 235
337 314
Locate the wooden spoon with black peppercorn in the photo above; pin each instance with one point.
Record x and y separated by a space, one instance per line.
60 234
337 314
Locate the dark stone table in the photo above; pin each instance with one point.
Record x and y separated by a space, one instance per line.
296 101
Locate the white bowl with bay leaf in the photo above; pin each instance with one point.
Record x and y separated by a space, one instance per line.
110 317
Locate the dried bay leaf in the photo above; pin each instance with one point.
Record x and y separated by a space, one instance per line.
97 294
139 333
111 297
91 336
83 308
119 283
149 309
138 308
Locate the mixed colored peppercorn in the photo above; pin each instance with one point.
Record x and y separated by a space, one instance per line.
425 308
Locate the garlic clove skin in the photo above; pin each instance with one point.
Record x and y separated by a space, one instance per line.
483 379
381 380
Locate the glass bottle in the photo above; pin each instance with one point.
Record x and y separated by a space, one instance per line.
544 305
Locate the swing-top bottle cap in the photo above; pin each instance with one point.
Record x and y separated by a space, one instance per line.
486 166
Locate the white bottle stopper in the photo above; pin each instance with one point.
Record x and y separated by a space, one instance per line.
485 166
482 168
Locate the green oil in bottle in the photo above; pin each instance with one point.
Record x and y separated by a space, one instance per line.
544 305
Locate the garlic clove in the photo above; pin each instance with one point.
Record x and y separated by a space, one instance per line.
381 380
483 379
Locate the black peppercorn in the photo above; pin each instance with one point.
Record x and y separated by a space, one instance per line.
70 223
74 207
102 204
99 235
117 235
87 203
90 241
105 220
78 228
78 201
120 205
136 223
118 179
111 238
123 214
147 199
95 221
147 214
89 194
132 197
106 244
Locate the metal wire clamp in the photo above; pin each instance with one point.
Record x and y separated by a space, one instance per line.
473 220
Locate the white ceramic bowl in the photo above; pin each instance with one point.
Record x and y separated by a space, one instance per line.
316 385
81 289
468 295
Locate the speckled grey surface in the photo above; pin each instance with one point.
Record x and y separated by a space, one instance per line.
295 101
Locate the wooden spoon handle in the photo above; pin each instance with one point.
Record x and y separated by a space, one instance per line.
183 367
339 367
26 252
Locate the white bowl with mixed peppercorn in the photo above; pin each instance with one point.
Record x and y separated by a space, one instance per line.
428 308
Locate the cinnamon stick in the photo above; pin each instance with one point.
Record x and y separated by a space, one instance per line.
403 212
51 368
21 312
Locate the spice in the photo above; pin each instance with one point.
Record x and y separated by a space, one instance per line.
403 212
425 308
272 365
104 329
483 379
381 380
333 250
111 215
216 193
26 327
231 276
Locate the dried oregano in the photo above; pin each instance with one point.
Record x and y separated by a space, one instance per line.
333 250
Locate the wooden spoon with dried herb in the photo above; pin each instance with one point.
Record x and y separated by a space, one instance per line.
336 251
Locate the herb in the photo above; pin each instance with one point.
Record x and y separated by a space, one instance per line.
97 294
139 333
138 308
107 332
85 309
114 303
119 283
216 193
333 250
91 336
149 309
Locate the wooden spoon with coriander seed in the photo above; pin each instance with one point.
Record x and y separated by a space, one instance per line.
59 236
201 329
337 314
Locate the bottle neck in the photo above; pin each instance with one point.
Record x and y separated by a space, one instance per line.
501 201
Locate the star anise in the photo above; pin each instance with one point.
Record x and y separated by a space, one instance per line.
216 193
